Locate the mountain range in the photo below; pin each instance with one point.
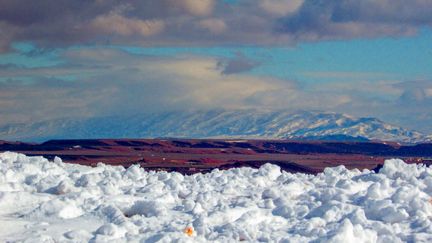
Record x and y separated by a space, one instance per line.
250 124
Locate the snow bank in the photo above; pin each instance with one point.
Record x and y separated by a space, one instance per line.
42 201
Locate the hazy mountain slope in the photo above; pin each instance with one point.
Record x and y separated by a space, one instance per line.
215 123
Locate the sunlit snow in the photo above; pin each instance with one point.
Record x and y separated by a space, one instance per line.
43 201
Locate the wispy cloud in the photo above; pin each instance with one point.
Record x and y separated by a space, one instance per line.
348 75
106 81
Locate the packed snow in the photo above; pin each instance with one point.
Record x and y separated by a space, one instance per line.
51 201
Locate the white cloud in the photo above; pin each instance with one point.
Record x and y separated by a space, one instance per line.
280 8
194 7
119 25
213 25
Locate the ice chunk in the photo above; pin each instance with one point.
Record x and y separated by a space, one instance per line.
147 209
395 168
347 232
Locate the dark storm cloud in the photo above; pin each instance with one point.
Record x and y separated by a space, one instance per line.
415 12
237 64
319 19
63 22
51 23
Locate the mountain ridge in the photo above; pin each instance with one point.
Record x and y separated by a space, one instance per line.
259 124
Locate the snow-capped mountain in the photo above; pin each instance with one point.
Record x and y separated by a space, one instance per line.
216 124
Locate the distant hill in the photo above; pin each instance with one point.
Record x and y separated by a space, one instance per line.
217 124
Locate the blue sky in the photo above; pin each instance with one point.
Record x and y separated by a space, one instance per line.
97 58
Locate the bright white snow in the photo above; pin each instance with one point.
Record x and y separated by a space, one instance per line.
42 201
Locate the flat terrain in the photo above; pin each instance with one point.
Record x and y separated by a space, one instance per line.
190 156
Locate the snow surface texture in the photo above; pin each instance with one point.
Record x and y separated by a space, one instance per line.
42 201
217 124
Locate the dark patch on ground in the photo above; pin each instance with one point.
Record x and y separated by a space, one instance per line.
188 156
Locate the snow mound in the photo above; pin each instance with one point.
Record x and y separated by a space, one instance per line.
43 201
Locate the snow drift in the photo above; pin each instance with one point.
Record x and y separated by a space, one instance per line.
43 201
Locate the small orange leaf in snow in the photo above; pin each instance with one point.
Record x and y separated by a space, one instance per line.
189 231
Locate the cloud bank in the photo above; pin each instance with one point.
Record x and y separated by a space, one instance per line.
205 22
106 81
109 81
